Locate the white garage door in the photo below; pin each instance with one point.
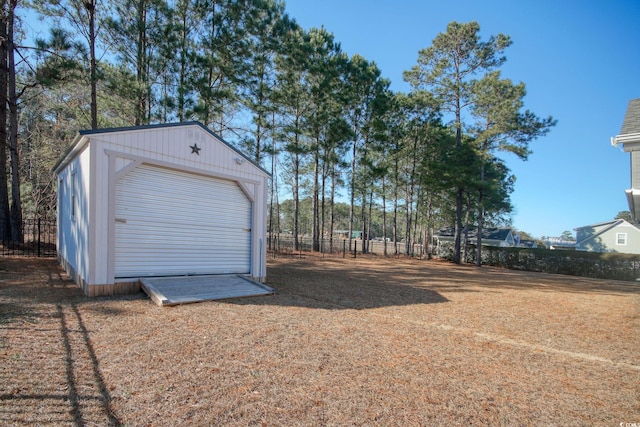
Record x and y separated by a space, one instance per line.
170 222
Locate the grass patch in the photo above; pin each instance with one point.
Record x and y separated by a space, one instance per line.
344 342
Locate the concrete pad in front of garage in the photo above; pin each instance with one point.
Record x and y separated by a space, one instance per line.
188 289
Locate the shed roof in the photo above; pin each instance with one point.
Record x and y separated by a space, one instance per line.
631 123
78 140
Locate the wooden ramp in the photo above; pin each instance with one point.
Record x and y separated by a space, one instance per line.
187 289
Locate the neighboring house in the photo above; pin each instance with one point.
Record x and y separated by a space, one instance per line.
556 243
500 237
532 244
611 236
158 200
629 139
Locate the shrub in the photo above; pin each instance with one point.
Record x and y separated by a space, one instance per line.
610 265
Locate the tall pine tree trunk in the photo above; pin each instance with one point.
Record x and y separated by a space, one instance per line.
363 216
459 195
261 119
5 222
323 192
480 229
296 193
480 219
467 228
332 204
296 201
315 201
395 205
141 65
384 215
410 198
16 204
415 238
352 191
93 75
457 246
408 217
369 220
274 185
429 228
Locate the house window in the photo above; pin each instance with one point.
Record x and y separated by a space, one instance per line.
621 239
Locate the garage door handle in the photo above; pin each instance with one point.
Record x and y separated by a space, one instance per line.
246 229
121 220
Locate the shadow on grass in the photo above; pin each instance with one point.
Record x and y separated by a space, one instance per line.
53 375
339 284
310 285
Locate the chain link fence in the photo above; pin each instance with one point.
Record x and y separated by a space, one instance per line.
339 246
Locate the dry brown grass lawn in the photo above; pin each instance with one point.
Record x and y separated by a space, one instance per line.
390 342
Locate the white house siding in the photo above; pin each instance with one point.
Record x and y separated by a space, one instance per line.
114 153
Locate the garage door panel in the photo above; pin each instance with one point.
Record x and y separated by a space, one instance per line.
166 227
163 195
172 223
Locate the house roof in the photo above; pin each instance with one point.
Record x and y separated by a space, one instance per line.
493 233
630 133
610 223
80 141
631 123
559 242
629 139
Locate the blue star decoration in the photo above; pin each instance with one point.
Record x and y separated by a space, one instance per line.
195 149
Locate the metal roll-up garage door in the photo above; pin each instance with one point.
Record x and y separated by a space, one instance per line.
171 222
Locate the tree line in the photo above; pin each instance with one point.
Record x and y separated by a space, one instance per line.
325 123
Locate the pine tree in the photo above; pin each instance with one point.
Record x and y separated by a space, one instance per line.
267 29
292 98
449 68
363 98
501 125
137 30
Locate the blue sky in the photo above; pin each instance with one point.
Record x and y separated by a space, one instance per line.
580 61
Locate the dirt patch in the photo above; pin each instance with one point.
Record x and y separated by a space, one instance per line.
344 342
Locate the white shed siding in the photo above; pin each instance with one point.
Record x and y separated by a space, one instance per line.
173 145
74 196
100 188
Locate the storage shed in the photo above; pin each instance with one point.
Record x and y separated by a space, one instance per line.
158 201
